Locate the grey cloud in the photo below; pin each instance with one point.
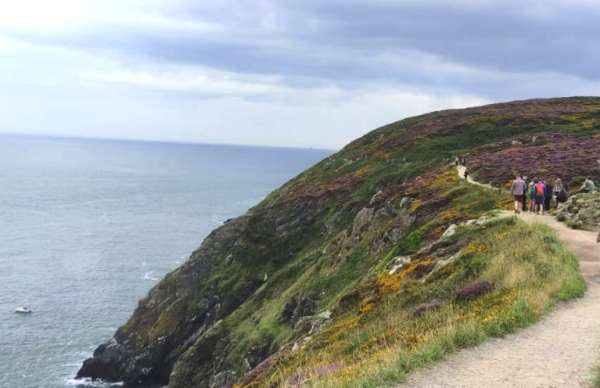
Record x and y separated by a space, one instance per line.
508 36
335 41
312 62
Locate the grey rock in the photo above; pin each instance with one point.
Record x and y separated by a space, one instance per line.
398 263
362 221
405 202
441 263
581 211
223 379
376 198
451 231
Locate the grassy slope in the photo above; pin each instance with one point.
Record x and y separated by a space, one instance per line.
260 268
391 340
335 356
383 339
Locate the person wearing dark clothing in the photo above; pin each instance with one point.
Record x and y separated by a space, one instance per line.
531 194
562 196
524 204
547 195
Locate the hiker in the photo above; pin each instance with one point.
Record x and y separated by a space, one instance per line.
519 187
540 190
524 202
466 174
548 190
558 185
531 193
562 197
588 186
457 161
556 189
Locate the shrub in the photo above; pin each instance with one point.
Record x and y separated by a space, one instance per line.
473 290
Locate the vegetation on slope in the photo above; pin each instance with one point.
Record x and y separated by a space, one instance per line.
418 319
300 286
581 211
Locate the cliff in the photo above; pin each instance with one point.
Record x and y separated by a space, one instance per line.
366 257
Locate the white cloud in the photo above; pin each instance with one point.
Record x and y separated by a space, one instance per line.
77 94
40 14
190 79
275 73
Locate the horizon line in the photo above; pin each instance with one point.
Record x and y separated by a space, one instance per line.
174 142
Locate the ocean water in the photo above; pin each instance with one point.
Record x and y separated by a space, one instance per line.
87 227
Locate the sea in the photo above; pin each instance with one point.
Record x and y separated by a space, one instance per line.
87 227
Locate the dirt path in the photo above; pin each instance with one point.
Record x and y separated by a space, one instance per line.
582 243
461 173
559 351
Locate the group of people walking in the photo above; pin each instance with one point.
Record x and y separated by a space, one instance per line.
538 195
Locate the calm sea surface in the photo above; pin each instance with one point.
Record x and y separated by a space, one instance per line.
88 227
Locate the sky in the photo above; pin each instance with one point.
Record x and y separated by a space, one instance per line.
302 73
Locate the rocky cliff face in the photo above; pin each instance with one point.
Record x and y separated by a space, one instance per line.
312 254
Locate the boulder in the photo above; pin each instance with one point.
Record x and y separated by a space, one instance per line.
581 211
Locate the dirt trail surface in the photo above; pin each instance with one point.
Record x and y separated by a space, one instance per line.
559 351
461 173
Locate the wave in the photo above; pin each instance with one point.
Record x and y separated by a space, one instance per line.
149 276
89 383
217 220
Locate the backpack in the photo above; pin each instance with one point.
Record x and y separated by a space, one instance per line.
539 189
562 196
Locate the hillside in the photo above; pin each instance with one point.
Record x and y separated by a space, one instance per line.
352 273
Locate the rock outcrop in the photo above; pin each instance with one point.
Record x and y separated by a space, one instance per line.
581 211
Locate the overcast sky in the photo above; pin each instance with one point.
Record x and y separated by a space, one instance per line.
295 73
